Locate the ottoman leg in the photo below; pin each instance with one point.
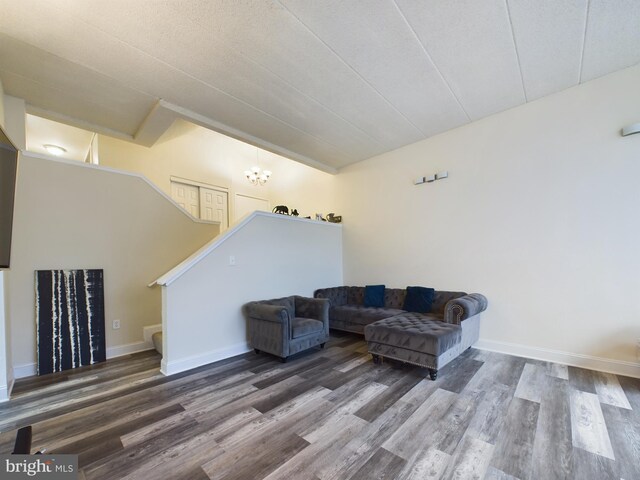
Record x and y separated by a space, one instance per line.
257 351
376 359
433 373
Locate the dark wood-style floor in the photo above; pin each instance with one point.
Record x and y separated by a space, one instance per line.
332 414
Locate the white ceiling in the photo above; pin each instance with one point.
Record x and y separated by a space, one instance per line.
326 82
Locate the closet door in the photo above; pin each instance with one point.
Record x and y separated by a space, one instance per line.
187 196
214 205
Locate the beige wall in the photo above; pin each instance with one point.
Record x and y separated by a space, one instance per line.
196 153
539 213
69 216
203 321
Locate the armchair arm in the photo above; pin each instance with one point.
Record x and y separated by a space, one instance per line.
461 308
269 313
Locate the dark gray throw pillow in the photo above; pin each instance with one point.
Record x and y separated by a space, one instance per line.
419 299
374 296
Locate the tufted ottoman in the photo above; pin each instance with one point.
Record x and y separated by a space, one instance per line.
413 338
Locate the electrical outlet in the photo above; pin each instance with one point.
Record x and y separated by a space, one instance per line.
116 324
232 260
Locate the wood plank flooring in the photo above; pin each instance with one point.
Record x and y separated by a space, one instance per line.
333 414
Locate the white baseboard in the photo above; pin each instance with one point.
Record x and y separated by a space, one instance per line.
30 369
128 349
25 370
177 366
618 367
5 391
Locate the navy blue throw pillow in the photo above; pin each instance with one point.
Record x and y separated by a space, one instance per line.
374 296
419 299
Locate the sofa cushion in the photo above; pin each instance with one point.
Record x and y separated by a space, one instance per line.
419 299
305 326
335 295
355 295
394 298
374 296
415 332
360 314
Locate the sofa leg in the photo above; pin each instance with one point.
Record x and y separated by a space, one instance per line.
376 359
433 373
283 359
257 351
322 345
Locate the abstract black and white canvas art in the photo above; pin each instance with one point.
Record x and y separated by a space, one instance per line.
70 316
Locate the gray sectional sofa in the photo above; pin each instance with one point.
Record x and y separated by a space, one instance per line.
429 339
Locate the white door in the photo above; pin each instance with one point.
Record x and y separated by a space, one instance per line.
246 204
187 196
214 205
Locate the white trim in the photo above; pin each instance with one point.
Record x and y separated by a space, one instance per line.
171 368
618 367
25 370
188 181
179 270
252 196
128 349
30 369
5 391
76 163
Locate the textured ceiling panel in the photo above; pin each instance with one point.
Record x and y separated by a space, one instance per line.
270 36
549 35
471 43
613 37
203 54
331 81
141 71
73 88
372 37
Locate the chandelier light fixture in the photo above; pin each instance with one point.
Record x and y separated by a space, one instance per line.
257 176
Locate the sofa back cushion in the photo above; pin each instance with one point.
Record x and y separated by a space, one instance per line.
336 295
394 298
355 296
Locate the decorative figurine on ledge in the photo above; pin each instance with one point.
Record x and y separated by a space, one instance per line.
284 210
334 218
281 209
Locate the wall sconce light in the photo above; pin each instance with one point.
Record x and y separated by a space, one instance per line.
631 129
431 178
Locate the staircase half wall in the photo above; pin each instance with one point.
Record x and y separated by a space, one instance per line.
264 256
70 215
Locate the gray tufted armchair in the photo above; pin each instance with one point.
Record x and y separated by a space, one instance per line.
284 326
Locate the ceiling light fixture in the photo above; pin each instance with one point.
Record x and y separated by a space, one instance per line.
54 149
255 175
